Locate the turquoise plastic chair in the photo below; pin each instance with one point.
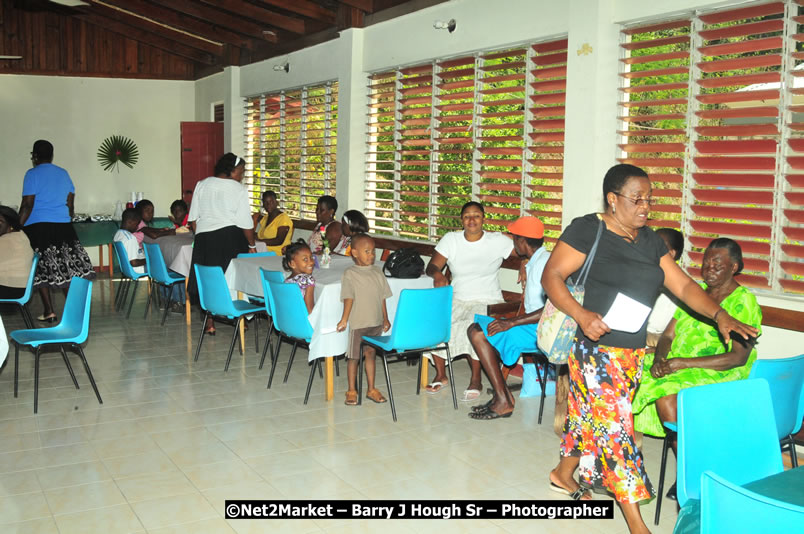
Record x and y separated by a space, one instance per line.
256 254
22 302
72 331
129 276
270 276
216 301
708 413
422 322
257 300
291 319
786 379
160 275
728 508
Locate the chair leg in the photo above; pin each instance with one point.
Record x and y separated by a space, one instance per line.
27 314
451 378
69 367
543 384
89 373
16 366
267 345
790 443
360 363
169 302
316 363
36 379
337 366
660 494
321 371
152 288
419 374
257 333
201 339
388 385
133 298
290 363
124 297
274 360
28 323
117 295
232 344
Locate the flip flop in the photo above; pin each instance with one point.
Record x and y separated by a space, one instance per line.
434 387
488 415
470 395
483 407
576 495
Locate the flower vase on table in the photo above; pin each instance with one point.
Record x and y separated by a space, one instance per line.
325 258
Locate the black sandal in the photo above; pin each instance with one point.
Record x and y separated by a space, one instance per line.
488 415
483 407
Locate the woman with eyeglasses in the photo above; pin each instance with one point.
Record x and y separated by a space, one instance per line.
605 366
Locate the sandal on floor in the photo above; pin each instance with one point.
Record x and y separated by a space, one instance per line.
470 395
376 396
351 398
434 387
576 495
483 407
488 415
52 318
209 331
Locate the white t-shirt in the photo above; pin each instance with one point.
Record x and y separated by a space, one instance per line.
132 247
662 312
475 265
534 293
218 203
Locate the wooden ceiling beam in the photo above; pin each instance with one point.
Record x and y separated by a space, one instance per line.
152 27
146 37
304 8
225 20
363 5
260 14
183 22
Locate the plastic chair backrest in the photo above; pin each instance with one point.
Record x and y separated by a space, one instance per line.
727 507
256 254
423 318
269 276
708 417
213 291
786 379
125 265
75 317
29 286
290 311
155 262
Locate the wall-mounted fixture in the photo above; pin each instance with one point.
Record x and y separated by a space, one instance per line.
11 57
285 67
441 25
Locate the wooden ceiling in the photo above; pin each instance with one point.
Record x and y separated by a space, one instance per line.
173 39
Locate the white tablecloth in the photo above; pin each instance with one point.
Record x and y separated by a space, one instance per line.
177 251
243 275
3 343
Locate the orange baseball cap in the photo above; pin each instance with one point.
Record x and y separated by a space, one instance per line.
527 227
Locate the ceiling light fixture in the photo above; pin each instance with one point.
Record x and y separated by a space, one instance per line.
11 57
285 67
70 3
269 32
441 25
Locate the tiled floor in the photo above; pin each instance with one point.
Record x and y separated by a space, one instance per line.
174 439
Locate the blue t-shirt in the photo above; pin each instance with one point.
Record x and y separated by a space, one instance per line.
50 185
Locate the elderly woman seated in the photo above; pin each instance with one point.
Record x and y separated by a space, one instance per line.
690 351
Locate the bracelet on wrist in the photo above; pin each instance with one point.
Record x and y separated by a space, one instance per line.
714 317
252 246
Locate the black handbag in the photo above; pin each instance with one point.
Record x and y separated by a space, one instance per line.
404 263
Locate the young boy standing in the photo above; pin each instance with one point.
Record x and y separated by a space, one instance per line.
363 292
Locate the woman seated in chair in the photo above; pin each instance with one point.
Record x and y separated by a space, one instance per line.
17 256
691 352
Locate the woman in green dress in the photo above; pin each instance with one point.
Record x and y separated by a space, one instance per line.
691 352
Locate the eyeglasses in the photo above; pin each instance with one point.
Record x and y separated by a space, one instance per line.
637 201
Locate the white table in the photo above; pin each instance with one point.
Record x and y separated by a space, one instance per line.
243 275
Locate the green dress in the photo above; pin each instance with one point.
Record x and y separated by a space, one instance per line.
694 338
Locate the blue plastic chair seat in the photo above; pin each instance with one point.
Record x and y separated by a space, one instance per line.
62 333
245 307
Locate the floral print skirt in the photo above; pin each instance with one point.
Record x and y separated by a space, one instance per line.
600 425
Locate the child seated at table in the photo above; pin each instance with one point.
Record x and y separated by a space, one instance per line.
131 220
179 215
299 261
146 210
364 289
353 222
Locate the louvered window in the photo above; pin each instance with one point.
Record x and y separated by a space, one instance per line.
486 127
291 141
712 108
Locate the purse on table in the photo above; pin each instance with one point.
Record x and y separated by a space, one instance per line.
556 329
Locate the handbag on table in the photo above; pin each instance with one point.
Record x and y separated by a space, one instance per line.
556 329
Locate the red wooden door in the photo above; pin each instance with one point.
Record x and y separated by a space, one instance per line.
201 148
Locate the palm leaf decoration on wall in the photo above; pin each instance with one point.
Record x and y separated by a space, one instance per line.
117 149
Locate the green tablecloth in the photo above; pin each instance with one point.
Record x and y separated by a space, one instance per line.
92 234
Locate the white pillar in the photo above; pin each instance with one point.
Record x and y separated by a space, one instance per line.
351 154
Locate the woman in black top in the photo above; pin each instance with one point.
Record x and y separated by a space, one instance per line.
606 365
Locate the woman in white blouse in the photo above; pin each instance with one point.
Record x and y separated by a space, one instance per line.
220 216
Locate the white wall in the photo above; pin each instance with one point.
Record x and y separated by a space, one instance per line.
76 115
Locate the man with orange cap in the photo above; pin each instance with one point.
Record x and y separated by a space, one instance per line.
504 340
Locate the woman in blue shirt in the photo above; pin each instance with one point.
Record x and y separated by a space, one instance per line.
46 214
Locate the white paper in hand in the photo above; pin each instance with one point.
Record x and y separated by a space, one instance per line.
626 314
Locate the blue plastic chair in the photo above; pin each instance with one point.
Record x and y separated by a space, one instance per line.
270 276
257 300
291 320
256 254
72 331
728 508
216 301
160 275
22 302
423 320
786 379
708 413
129 276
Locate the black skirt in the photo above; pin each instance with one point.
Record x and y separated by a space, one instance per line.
61 256
218 247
